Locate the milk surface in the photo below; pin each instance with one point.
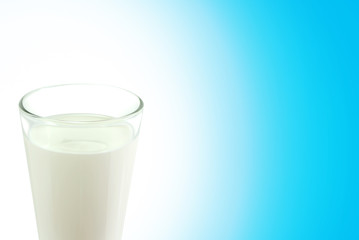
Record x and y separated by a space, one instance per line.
80 178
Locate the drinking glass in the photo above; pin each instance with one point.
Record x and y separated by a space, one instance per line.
80 142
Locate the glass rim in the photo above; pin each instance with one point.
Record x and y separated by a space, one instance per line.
126 116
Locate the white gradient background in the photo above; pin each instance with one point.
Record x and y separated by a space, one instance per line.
147 48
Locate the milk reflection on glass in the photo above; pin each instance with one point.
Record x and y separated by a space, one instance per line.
80 169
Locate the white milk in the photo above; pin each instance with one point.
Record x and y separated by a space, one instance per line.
80 178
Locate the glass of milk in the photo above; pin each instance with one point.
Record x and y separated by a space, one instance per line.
80 142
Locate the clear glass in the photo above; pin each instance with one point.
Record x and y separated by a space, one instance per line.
80 142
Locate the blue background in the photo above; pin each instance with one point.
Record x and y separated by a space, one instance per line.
283 93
